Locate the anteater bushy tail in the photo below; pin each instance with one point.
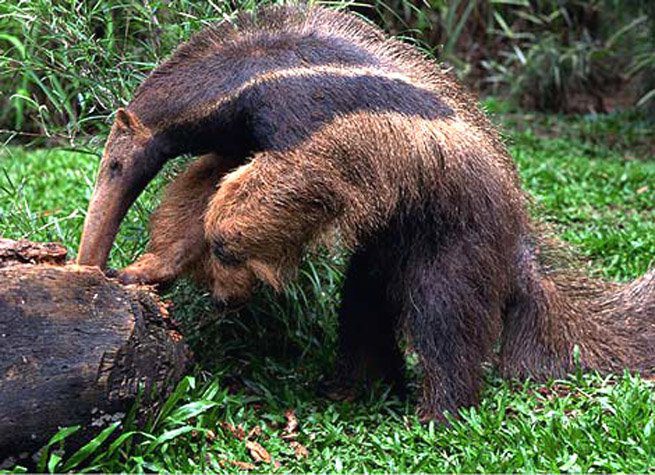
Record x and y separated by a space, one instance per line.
554 312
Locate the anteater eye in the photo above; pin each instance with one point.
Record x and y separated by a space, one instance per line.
115 167
223 255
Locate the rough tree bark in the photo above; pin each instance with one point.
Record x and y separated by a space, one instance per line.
74 344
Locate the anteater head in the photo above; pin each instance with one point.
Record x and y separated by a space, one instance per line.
132 157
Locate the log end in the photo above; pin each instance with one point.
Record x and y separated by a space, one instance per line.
74 345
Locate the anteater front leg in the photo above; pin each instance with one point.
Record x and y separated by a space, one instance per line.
265 213
367 349
177 238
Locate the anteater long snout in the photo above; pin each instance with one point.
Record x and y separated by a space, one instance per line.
106 211
130 162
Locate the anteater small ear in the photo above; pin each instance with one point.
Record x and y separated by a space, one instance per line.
129 121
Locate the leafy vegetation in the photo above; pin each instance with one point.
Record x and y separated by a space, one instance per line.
66 65
547 55
255 365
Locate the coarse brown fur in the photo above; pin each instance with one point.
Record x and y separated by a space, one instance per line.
318 125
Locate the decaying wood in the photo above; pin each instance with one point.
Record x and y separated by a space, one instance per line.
74 345
27 252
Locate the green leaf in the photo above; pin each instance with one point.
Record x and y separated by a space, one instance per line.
180 391
646 97
55 458
15 41
170 435
90 447
58 437
503 25
190 410
624 29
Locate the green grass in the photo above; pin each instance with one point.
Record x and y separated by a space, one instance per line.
254 366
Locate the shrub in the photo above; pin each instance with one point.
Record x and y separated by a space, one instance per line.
560 53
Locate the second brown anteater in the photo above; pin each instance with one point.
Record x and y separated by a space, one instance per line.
314 126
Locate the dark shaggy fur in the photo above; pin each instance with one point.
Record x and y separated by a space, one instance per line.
330 128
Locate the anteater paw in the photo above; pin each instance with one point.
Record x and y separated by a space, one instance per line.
148 270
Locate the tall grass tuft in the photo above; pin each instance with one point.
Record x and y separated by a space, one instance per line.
65 65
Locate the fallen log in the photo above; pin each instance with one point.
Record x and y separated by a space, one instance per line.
75 345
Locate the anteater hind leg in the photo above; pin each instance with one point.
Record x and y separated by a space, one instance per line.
177 239
367 346
451 318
